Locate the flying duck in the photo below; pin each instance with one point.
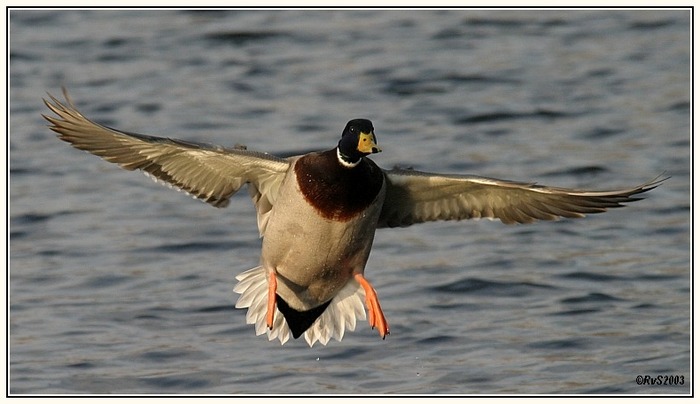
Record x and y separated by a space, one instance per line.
317 213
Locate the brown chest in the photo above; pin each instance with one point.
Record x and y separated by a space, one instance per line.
336 192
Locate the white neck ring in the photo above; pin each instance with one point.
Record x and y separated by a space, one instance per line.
344 162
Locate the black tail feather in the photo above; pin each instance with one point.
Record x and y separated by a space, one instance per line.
299 321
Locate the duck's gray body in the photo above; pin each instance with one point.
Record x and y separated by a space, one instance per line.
310 269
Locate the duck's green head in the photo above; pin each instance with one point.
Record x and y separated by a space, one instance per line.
358 140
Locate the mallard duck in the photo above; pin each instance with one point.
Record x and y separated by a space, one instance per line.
317 213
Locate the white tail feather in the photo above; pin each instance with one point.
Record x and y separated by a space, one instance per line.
340 315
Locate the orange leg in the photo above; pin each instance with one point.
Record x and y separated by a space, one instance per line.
376 316
271 298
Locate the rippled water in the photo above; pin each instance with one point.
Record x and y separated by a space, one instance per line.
118 285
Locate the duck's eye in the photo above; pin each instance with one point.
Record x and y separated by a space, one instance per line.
352 129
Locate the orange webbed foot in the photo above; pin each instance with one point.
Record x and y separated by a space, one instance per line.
376 316
271 299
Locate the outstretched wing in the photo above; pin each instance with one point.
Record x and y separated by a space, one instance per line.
208 172
416 197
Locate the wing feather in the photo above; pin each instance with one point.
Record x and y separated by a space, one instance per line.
209 172
416 197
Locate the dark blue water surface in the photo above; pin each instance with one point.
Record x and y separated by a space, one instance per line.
119 285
